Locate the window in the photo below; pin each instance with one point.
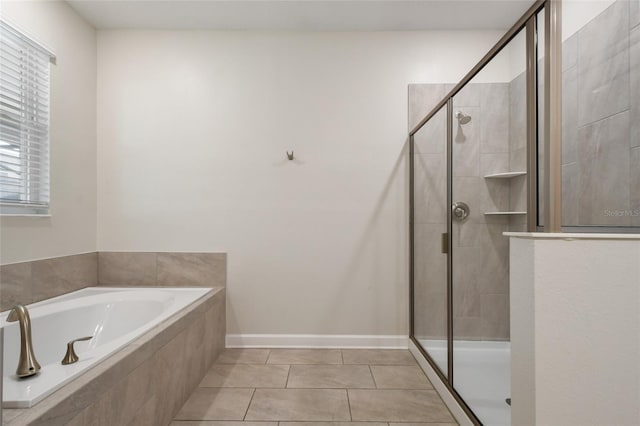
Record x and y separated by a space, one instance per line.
24 123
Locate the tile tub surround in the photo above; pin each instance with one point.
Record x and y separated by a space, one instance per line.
162 269
145 383
289 386
33 281
30 282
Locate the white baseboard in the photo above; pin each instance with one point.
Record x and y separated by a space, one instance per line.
449 400
316 341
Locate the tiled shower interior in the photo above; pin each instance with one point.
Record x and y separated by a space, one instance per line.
601 130
601 177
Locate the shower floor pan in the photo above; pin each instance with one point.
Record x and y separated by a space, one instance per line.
481 375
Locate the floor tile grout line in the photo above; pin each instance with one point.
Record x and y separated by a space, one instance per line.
349 404
342 356
372 376
286 384
249 405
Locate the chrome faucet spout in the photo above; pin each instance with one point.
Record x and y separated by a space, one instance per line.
28 364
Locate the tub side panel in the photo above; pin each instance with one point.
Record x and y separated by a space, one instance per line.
144 384
154 392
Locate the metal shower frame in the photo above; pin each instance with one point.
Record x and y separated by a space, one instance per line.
552 145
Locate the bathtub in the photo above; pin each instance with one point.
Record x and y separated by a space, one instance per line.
113 316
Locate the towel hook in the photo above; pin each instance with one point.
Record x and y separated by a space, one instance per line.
290 156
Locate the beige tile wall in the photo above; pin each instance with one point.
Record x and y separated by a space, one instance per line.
162 269
30 282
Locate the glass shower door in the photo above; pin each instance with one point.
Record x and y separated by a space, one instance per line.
429 260
489 197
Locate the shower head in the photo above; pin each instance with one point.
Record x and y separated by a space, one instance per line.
462 118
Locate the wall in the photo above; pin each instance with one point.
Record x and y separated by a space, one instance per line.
575 332
71 229
192 133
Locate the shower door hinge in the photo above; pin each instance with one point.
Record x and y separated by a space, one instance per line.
445 243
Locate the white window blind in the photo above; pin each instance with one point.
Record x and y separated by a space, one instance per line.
24 123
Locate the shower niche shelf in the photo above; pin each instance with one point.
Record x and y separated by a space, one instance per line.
503 213
505 175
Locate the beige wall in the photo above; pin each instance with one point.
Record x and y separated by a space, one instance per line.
71 229
192 133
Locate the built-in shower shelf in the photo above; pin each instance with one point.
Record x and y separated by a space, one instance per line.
506 175
503 213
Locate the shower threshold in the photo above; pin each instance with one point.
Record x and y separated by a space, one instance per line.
481 375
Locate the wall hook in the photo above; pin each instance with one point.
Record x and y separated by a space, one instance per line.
290 156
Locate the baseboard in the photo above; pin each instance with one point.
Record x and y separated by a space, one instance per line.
449 400
317 341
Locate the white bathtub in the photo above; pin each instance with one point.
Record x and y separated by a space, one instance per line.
114 316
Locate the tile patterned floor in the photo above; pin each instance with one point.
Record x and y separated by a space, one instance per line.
314 387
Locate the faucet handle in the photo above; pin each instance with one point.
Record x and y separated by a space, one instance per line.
71 357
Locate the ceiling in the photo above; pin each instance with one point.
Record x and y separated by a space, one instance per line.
303 15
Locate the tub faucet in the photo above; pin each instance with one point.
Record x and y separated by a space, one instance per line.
28 364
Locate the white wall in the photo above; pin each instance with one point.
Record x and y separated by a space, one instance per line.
71 229
575 323
192 133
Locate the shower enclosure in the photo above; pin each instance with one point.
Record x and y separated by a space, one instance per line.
486 158
470 168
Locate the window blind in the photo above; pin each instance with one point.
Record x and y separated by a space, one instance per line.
24 123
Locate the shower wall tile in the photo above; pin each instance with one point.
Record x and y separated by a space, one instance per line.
570 195
470 190
432 137
430 283
495 311
634 63
603 65
634 13
518 113
430 186
470 328
569 115
518 160
433 266
494 163
518 195
603 154
466 296
469 234
466 145
468 96
494 119
634 187
570 52
495 195
481 251
422 99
